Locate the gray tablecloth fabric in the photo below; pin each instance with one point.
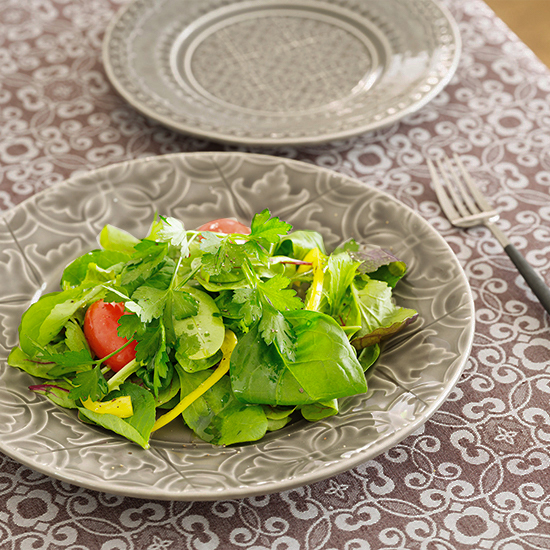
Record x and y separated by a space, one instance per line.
477 474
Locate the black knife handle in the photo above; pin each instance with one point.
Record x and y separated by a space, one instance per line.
537 284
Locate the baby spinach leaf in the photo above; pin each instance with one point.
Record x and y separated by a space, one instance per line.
206 326
276 424
325 367
115 239
217 417
368 356
188 365
321 409
136 428
260 375
326 364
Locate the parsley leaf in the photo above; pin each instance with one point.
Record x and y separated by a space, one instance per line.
209 243
228 256
173 231
151 350
128 326
275 291
89 384
149 254
67 362
151 301
266 230
183 304
275 329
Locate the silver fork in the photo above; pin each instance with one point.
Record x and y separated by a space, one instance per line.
465 206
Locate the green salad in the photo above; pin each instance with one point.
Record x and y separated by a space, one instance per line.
234 331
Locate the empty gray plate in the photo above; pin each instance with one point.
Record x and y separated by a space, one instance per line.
276 72
415 373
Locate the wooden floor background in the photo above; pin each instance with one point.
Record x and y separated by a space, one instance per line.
530 20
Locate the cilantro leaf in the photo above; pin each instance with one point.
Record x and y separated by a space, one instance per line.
148 342
89 384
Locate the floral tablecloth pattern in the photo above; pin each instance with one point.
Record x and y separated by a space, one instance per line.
477 474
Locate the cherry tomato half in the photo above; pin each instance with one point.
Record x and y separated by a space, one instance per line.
100 329
225 225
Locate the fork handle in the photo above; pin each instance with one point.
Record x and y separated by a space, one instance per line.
537 284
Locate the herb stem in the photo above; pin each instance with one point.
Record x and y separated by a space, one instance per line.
127 370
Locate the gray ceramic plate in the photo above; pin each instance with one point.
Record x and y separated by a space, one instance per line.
413 376
279 72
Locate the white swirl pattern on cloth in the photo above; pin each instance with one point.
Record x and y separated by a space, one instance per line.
476 474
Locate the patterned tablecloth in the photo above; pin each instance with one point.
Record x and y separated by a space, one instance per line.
477 474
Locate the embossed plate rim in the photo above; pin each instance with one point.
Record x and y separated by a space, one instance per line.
235 136
320 470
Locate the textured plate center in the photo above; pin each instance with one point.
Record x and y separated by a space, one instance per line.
278 60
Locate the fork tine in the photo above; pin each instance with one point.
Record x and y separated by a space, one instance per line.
457 202
480 199
444 201
466 197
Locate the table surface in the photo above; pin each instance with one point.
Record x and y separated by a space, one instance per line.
477 474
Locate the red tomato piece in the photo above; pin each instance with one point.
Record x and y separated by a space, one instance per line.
225 225
100 328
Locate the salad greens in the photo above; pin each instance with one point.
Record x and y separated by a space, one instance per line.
236 334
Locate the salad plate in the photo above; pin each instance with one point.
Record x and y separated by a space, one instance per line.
280 72
413 376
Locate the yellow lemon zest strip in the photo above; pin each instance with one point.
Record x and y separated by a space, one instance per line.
229 343
316 289
119 406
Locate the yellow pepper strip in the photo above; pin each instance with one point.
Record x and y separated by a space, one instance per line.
309 257
315 256
119 406
227 347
